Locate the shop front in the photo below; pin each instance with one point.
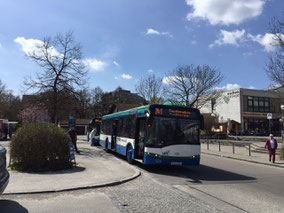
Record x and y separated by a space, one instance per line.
259 124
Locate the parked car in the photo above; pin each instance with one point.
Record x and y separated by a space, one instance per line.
4 175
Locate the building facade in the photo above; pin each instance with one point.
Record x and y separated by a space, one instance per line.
248 111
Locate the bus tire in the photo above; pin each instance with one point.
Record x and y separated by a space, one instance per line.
129 154
106 146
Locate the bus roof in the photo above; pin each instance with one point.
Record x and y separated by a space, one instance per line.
138 110
142 109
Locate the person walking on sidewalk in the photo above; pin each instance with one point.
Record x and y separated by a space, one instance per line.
271 144
73 135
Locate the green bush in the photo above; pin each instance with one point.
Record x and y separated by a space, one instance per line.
282 153
40 147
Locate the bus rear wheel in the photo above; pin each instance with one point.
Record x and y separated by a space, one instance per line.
129 155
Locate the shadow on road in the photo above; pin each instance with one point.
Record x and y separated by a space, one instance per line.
196 174
9 206
192 174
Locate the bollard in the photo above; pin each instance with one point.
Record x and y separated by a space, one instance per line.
219 147
233 148
208 145
249 150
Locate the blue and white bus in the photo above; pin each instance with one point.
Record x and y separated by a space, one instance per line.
93 135
154 134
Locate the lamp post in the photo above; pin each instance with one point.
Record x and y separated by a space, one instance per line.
282 118
282 121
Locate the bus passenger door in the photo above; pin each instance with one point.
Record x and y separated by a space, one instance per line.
114 134
140 138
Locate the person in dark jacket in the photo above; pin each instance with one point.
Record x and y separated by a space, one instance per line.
271 145
73 135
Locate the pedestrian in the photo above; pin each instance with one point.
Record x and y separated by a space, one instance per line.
271 145
73 135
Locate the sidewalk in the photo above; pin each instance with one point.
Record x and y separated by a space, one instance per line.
95 168
241 153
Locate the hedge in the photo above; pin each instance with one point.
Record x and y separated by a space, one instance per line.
40 147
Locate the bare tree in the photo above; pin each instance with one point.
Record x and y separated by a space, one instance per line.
96 100
10 105
193 85
150 88
84 102
275 64
62 69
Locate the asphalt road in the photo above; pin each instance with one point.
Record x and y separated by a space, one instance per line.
229 185
218 184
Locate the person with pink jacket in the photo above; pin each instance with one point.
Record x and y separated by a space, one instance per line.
271 145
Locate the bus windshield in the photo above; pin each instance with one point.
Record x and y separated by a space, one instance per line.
170 131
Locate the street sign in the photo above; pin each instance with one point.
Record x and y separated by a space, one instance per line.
72 152
269 115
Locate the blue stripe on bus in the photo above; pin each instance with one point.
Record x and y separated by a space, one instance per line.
153 160
119 149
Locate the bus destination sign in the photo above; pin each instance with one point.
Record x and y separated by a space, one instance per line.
172 112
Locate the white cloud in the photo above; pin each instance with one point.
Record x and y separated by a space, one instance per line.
171 79
267 41
116 78
168 79
231 38
116 64
155 32
28 45
225 12
152 31
125 76
31 46
150 70
94 64
229 87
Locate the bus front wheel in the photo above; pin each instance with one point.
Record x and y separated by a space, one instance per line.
129 155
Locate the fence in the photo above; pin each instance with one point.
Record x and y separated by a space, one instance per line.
227 143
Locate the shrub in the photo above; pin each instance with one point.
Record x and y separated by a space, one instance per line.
40 147
282 153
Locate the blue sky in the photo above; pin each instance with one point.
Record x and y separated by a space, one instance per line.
124 40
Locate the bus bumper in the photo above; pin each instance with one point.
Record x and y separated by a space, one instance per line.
167 160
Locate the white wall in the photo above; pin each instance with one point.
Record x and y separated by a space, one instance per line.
228 106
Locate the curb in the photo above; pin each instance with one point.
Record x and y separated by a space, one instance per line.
107 184
251 161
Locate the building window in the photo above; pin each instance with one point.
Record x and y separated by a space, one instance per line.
258 104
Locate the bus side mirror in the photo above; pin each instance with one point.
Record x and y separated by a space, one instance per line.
147 113
201 122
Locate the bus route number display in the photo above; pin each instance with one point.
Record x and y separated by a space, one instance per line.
172 112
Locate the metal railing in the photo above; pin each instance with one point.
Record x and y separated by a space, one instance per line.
221 143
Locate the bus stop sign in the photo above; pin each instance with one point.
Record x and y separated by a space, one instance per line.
269 116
